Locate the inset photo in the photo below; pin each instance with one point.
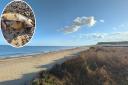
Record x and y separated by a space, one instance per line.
18 23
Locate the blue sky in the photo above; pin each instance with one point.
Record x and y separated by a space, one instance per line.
77 22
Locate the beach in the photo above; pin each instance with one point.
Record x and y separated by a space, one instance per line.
21 70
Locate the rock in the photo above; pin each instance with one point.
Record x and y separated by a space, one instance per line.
18 23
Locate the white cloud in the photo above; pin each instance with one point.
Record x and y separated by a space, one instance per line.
102 20
121 27
98 37
78 22
117 36
71 29
93 36
17 0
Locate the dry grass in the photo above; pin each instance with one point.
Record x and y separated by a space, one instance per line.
96 66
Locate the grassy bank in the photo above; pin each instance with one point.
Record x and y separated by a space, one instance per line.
96 66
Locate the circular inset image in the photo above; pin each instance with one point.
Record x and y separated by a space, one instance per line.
18 23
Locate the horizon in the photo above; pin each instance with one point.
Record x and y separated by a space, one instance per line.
73 46
76 23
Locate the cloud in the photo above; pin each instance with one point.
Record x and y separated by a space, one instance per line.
71 29
102 20
89 21
98 37
93 36
78 22
17 0
123 26
117 36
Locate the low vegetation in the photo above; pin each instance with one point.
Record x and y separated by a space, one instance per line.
96 66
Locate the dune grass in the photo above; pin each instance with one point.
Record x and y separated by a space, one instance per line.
96 66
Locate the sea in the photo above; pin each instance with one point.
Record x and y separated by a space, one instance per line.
9 52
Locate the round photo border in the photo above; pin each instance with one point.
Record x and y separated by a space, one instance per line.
34 23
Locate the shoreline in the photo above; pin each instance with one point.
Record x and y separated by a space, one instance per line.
33 54
14 70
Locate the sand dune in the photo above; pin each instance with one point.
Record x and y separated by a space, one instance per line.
18 71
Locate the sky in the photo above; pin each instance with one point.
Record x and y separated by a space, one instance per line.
76 22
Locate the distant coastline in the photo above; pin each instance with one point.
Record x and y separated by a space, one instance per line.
121 43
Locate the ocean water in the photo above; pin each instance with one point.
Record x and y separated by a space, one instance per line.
8 51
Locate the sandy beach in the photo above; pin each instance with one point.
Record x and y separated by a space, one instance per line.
19 71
